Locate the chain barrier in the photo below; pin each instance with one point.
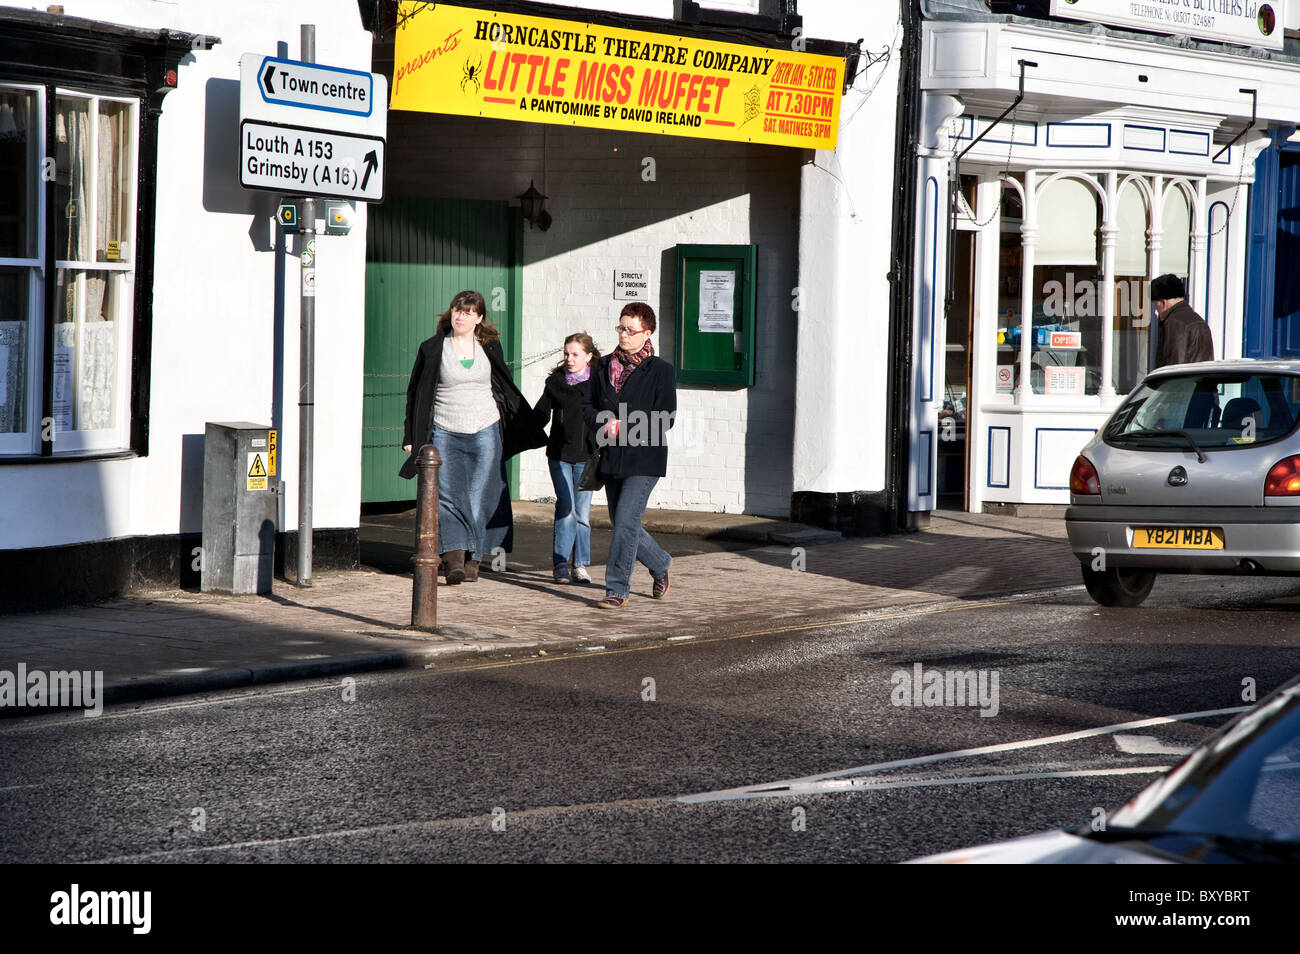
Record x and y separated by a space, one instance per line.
1241 174
963 205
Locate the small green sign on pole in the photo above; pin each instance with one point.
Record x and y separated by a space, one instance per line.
338 218
287 215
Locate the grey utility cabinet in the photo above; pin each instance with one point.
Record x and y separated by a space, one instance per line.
240 507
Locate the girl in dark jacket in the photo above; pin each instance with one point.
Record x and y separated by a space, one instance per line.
567 451
462 399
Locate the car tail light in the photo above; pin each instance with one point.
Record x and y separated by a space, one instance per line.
1083 477
1283 478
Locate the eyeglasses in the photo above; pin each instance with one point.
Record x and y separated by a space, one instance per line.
630 332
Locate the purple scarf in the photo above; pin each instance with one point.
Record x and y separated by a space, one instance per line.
623 364
571 378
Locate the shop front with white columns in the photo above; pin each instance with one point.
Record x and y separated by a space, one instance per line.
1043 218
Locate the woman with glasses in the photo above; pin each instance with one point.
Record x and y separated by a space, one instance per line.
463 401
630 407
567 451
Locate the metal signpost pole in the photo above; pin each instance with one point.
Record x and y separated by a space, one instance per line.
306 386
306 358
316 135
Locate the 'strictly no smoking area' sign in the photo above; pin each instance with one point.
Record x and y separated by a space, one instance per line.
631 284
308 129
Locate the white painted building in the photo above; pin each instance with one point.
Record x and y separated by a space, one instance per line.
123 332
1129 155
174 304
808 437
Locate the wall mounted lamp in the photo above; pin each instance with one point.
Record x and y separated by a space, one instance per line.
533 206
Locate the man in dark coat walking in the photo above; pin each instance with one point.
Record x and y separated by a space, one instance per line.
1183 335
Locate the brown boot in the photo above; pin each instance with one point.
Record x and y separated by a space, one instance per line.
471 571
454 561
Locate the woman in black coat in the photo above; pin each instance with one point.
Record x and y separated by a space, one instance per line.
462 399
567 451
632 404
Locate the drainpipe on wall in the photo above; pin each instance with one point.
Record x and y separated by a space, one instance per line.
902 272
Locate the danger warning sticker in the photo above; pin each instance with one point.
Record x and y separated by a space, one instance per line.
256 472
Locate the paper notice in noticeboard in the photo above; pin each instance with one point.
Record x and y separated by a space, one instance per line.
718 302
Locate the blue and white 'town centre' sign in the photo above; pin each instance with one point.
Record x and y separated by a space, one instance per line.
310 129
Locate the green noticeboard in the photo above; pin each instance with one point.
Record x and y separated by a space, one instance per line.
714 342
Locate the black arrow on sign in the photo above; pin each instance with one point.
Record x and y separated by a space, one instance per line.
266 79
372 163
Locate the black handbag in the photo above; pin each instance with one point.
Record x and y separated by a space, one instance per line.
591 481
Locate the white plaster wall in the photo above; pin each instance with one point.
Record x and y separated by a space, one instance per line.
730 449
214 299
844 235
845 227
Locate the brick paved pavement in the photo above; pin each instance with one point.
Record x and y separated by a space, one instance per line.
161 643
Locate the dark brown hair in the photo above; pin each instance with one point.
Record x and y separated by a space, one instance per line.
584 341
640 310
469 301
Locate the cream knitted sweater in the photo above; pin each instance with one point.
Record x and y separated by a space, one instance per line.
464 402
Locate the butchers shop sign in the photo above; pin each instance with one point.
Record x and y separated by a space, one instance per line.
1248 22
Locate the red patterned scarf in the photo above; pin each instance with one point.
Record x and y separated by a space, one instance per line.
623 364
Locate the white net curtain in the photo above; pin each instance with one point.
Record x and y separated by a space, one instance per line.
89 147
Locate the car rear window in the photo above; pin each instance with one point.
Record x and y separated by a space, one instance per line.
1219 410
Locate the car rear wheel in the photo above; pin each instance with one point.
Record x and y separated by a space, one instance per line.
1119 587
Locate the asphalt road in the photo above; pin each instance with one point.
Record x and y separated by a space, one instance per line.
568 758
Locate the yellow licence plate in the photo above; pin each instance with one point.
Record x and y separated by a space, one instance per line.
1177 538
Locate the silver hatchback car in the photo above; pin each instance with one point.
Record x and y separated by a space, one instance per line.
1198 471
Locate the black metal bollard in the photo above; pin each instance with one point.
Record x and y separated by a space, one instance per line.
424 594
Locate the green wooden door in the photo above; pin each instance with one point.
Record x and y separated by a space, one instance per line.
419 253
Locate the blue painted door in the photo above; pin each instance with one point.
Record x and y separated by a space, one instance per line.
1286 271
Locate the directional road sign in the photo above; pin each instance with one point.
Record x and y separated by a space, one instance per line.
277 90
312 86
301 161
309 129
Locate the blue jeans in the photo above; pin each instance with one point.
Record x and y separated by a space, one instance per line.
627 498
572 514
469 488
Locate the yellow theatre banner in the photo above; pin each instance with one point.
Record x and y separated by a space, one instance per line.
535 69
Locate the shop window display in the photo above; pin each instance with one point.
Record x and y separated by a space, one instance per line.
1067 294
19 139
1130 353
92 194
1066 348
